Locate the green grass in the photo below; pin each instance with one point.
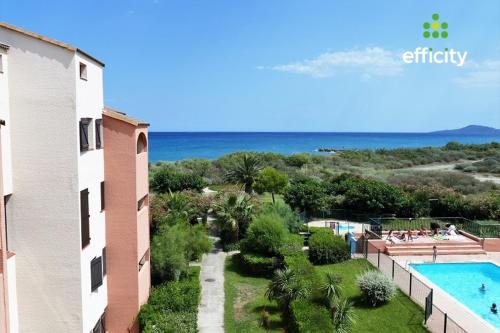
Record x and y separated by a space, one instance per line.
245 301
399 315
267 198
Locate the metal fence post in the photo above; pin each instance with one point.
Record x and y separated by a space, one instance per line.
411 279
445 322
393 269
378 258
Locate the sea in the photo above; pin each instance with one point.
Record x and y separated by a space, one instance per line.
174 146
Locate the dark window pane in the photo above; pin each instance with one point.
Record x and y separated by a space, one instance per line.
102 196
84 218
96 273
84 134
98 142
104 261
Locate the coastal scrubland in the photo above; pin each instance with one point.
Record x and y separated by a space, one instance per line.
257 204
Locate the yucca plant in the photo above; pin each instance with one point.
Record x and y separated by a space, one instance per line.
343 315
286 287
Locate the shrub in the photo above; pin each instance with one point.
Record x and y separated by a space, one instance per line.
307 194
173 247
376 288
167 262
265 235
304 270
165 179
257 265
172 307
292 245
326 248
290 218
307 317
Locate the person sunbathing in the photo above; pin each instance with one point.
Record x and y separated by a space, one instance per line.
422 232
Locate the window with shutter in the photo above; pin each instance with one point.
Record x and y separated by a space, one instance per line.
100 327
84 134
98 133
84 218
103 204
104 261
96 273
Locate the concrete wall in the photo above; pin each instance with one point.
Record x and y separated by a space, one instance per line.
89 104
5 132
12 295
127 229
43 219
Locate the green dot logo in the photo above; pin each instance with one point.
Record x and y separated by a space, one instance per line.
435 29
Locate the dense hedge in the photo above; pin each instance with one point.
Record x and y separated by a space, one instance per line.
256 264
265 235
326 248
172 306
165 179
307 317
304 270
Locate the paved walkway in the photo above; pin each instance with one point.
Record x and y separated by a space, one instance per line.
211 308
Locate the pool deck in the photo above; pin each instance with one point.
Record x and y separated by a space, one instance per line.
464 317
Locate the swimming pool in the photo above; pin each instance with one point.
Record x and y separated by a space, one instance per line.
463 280
343 227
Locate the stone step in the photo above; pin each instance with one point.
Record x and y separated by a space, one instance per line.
430 252
439 246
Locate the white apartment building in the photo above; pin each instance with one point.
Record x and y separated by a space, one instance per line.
51 99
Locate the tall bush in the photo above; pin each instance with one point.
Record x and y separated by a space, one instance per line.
265 235
290 218
173 247
326 248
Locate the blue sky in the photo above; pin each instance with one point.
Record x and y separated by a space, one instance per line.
269 65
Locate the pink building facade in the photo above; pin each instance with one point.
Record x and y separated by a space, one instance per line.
126 204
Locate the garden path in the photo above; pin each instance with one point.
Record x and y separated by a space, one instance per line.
211 308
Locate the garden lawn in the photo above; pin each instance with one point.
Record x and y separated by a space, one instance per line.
244 301
399 315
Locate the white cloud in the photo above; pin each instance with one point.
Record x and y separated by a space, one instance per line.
480 74
369 62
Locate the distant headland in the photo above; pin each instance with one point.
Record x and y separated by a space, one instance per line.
471 130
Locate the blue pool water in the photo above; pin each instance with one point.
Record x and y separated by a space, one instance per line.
463 280
345 227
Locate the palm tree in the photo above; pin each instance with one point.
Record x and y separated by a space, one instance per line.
245 171
343 315
179 207
285 287
234 215
331 289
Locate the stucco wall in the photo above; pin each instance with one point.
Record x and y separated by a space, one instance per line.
89 104
5 132
43 220
121 224
12 295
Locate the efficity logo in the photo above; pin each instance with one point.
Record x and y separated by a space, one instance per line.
435 29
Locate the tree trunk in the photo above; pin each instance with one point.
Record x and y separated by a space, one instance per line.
272 195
